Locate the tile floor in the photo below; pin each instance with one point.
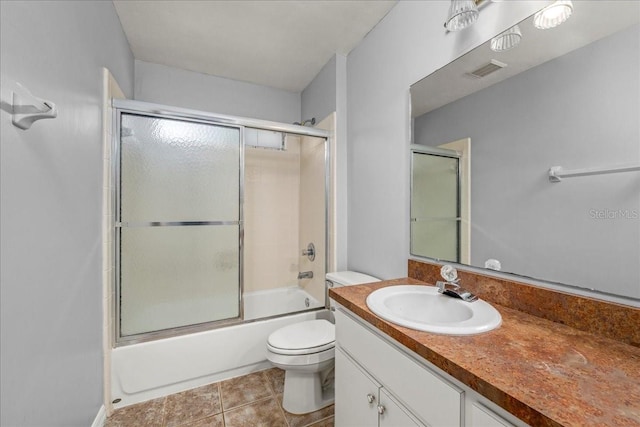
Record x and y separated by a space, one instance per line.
254 400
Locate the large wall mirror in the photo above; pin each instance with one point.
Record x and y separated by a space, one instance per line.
566 98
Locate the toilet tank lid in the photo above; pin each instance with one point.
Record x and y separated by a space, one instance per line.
350 278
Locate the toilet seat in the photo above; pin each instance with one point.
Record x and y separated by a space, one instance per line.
311 336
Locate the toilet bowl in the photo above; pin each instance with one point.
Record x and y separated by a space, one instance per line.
305 351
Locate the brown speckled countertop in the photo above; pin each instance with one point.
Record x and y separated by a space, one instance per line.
545 373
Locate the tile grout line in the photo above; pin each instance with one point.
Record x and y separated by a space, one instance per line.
164 411
275 396
224 421
282 411
211 415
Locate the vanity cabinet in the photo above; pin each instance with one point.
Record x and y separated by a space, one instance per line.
363 401
381 383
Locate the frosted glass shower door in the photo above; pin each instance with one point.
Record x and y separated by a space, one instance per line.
178 223
435 207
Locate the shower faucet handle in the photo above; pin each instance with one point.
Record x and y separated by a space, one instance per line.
310 252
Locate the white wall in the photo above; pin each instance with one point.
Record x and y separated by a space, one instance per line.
181 88
408 44
51 209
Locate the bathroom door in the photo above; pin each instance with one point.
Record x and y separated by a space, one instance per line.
435 206
178 223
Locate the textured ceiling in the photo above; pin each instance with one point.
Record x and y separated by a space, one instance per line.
281 44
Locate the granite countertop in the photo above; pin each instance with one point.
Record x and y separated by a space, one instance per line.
545 373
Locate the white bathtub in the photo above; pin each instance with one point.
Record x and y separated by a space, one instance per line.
273 302
154 369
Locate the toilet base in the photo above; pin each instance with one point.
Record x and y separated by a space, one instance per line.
304 391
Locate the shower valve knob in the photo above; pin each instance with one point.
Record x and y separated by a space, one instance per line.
310 252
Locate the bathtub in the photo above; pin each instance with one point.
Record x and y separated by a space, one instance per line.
274 302
154 369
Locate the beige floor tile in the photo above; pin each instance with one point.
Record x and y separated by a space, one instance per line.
263 413
192 405
254 400
275 377
213 421
243 390
146 414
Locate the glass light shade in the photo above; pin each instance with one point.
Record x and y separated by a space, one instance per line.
553 15
462 13
507 39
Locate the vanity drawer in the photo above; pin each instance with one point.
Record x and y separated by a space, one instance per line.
426 394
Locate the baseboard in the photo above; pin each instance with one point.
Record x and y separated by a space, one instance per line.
101 418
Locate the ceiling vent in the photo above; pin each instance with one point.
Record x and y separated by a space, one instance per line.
487 69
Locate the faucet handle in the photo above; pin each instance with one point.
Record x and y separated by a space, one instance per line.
310 252
449 273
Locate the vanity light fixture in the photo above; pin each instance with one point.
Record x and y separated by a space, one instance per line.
506 40
553 15
462 13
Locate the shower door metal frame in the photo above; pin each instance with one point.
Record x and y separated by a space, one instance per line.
194 116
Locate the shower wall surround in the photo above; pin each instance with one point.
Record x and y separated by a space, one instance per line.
271 215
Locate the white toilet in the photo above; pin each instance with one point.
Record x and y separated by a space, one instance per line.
306 352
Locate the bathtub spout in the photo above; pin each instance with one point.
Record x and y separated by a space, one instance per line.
305 275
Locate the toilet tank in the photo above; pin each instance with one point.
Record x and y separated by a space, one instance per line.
344 278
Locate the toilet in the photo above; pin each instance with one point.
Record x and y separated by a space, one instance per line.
305 351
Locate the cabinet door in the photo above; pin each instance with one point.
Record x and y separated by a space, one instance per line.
392 414
356 395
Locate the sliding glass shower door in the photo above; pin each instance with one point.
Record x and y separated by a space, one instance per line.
178 223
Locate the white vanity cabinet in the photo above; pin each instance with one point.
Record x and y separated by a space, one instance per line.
364 402
381 383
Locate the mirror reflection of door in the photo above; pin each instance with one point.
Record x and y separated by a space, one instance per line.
435 204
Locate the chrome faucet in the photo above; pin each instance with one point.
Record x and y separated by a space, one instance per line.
451 285
305 275
452 289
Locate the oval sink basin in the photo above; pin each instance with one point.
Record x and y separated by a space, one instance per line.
424 309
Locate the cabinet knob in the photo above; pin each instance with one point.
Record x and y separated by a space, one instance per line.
381 409
370 398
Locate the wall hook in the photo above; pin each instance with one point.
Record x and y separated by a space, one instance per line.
28 108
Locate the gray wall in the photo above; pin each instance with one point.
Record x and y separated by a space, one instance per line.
51 209
319 97
408 44
181 88
327 93
578 111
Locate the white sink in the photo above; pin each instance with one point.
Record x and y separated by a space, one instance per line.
424 309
